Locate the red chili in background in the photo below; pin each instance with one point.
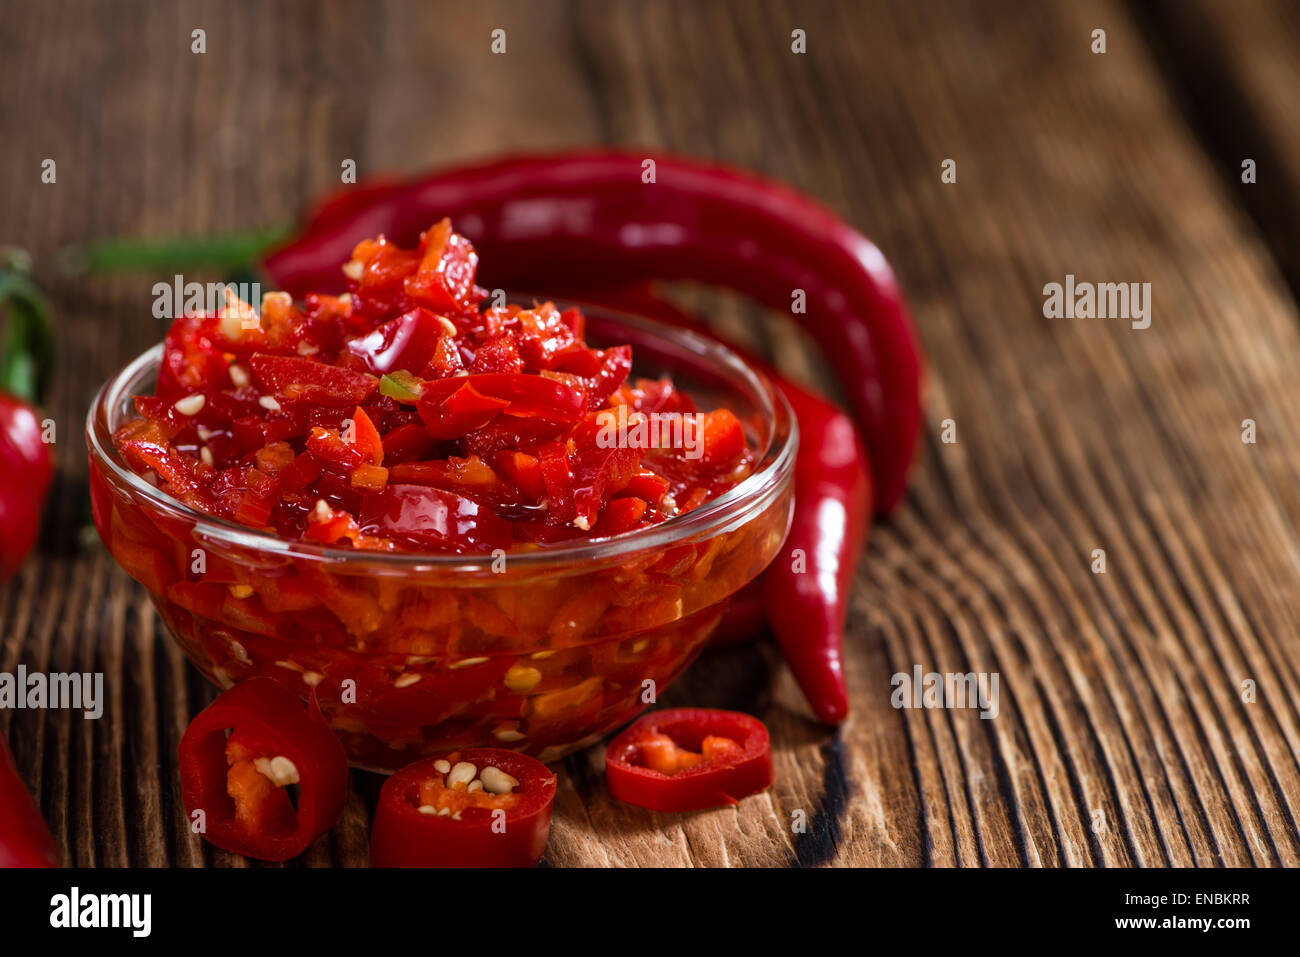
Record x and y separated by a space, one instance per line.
25 841
804 592
25 466
689 759
426 817
561 222
246 803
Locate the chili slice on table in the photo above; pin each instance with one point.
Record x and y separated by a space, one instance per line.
480 807
688 759
239 758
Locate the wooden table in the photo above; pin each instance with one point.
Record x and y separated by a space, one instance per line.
1123 736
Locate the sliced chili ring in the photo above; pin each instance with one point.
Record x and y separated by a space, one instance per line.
688 759
238 759
480 807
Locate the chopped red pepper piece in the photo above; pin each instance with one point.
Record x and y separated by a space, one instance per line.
407 443
240 782
687 759
450 407
451 411
434 518
407 342
444 279
482 807
524 471
622 515
314 383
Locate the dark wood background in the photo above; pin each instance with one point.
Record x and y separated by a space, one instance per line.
1123 737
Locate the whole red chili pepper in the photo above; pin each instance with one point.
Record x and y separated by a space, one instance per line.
25 841
25 466
807 586
559 223
804 592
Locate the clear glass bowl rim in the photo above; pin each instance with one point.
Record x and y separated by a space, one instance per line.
773 471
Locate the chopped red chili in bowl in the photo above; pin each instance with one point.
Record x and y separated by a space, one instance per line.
454 524
404 416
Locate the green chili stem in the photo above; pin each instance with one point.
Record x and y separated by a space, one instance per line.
230 251
27 347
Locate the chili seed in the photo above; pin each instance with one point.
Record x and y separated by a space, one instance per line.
239 376
521 678
496 781
279 769
428 809
191 404
442 766
466 662
462 773
406 680
269 403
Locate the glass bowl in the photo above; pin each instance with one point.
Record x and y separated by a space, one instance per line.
408 654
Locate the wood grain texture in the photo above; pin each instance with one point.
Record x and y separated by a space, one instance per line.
1122 738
